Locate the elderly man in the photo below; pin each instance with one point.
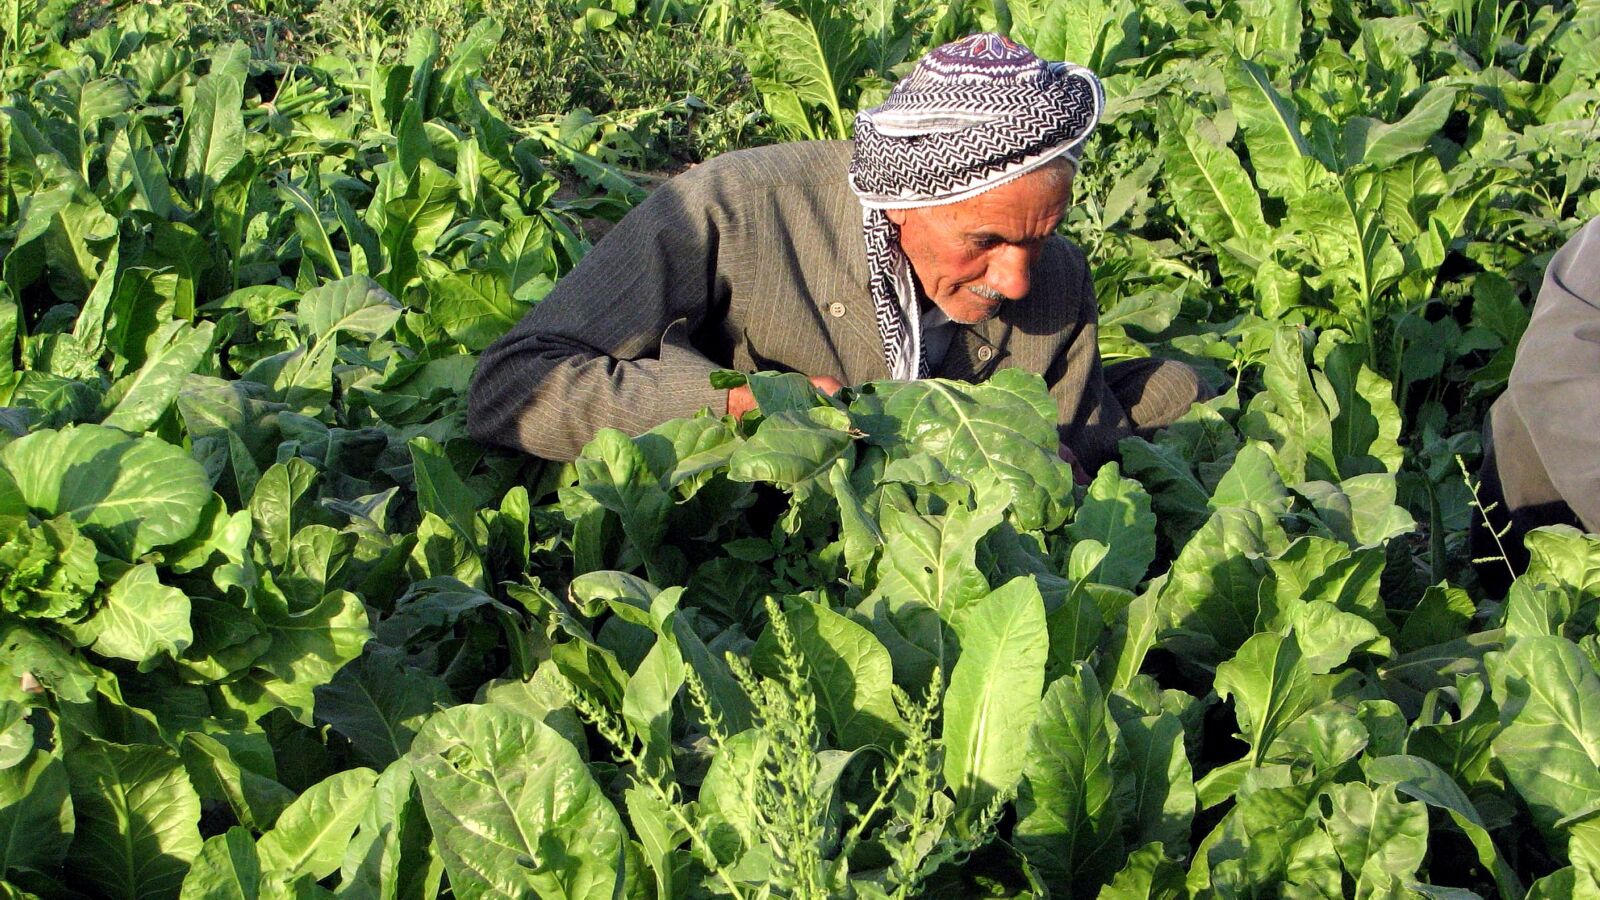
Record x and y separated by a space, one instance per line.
1542 441
925 247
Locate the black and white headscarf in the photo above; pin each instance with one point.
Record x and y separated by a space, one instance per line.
972 115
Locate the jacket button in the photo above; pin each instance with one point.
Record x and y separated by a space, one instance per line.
985 354
836 310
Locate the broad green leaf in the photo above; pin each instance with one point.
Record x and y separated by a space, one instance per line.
793 449
1134 634
357 306
1373 143
1215 590
1253 483
1360 511
1002 430
36 815
1549 743
311 835
16 732
1155 791
994 693
1333 633
1563 561
524 254
1271 832
1096 34
146 395
1565 884
130 494
543 696
777 392
1211 191
410 214
89 329
1076 626
441 491
660 834
1422 780
474 308
1458 737
133 168
1291 414
850 672
228 868
1533 610
1279 153
726 698
928 576
140 619
1326 738
1443 614
649 695
1353 253
468 57
858 531
514 810
617 475
392 854
308 221
1116 513
47 572
213 138
280 500
379 704
1067 820
1149 874
1270 685
137 819
1181 502
26 653
218 773
1366 430
809 55
1376 835
307 649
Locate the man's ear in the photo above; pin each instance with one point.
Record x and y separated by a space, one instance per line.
897 216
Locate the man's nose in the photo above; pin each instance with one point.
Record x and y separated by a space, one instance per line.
1009 271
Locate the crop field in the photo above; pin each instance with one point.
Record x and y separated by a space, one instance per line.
273 625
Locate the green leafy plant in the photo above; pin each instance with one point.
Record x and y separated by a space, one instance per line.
270 623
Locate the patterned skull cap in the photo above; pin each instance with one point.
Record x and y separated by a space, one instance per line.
973 115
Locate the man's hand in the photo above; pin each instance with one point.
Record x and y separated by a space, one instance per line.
1079 473
741 400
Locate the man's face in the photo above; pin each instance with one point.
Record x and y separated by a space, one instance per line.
971 256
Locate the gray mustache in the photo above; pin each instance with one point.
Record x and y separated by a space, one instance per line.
988 293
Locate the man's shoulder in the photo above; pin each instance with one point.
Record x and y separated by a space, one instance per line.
1061 300
799 164
1062 259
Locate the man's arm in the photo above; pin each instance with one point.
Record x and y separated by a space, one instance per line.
1555 382
610 346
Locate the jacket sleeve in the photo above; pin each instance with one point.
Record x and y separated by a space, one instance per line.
1555 382
610 346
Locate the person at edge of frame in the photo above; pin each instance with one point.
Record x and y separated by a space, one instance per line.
1541 460
926 246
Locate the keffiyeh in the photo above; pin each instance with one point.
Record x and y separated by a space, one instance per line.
973 115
